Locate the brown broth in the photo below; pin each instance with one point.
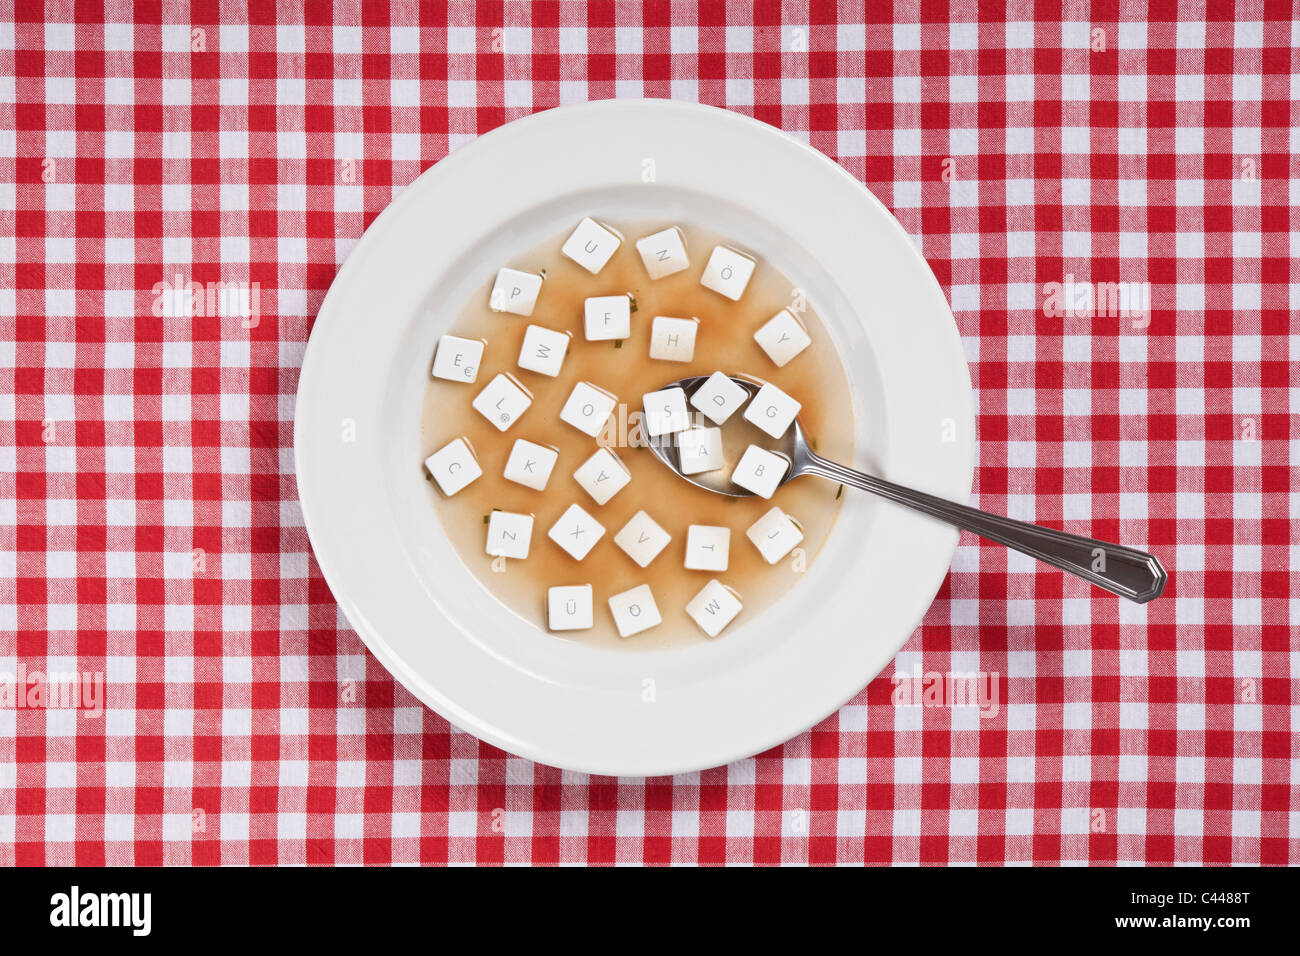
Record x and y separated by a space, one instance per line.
724 342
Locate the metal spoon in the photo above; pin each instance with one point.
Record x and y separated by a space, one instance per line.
1127 572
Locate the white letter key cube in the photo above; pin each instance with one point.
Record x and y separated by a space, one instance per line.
602 475
576 532
673 340
728 272
543 350
642 538
457 359
782 337
530 464
714 607
569 608
591 245
665 411
699 449
775 535
718 397
760 471
515 292
772 410
588 408
663 253
708 547
509 534
502 401
453 466
634 611
607 317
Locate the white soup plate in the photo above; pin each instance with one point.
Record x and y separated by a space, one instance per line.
383 551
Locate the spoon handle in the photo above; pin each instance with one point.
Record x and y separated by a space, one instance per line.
1127 572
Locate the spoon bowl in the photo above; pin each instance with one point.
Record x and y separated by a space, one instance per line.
737 435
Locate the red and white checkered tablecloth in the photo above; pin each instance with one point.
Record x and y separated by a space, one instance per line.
149 527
